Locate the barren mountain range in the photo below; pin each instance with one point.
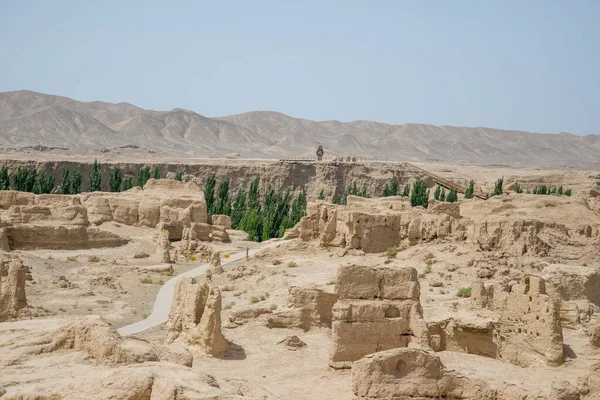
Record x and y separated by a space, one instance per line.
33 122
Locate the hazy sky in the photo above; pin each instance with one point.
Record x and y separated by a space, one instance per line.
527 64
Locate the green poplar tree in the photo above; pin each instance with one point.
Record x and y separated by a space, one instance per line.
46 184
386 191
143 176
419 195
394 188
253 195
239 208
156 173
76 182
116 178
498 187
95 182
128 183
406 191
438 191
65 184
223 205
452 196
4 178
470 190
209 194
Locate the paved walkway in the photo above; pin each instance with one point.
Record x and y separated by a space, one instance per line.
164 298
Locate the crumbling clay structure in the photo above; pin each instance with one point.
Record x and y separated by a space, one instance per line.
195 316
96 337
529 326
54 220
13 302
374 225
377 309
307 308
407 374
215 263
523 327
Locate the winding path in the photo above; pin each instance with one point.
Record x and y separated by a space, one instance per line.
164 298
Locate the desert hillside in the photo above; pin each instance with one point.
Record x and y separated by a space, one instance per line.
33 123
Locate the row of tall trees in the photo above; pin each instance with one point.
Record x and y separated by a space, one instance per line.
262 220
26 180
440 194
543 189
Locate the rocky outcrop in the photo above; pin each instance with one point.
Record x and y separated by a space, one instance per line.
377 309
595 334
292 343
195 316
563 390
96 337
374 225
13 301
306 309
415 374
516 236
61 236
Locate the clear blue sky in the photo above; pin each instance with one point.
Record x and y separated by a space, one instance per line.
527 64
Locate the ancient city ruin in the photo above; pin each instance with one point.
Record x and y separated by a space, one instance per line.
373 299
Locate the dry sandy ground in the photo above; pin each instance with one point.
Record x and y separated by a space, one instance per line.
109 282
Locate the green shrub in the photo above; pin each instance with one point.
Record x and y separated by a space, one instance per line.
392 252
292 264
518 188
254 299
464 292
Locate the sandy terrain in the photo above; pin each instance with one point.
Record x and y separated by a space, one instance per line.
502 241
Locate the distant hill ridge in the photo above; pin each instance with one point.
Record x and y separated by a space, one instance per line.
31 121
